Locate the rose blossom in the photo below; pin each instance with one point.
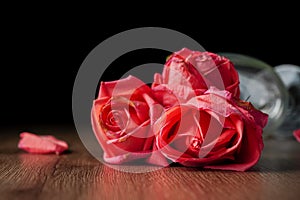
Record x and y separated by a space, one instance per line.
121 120
189 73
213 130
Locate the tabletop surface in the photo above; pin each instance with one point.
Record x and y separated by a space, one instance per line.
78 175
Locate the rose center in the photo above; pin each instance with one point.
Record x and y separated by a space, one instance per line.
195 143
115 119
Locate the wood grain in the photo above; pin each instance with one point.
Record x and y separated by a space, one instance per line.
77 175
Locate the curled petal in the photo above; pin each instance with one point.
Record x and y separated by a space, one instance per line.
33 143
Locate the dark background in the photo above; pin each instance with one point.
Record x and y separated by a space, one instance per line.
41 52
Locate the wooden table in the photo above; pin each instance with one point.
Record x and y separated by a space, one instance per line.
77 175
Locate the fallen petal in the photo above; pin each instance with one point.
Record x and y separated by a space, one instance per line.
45 144
297 134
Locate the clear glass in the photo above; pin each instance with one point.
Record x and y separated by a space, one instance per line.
290 76
261 85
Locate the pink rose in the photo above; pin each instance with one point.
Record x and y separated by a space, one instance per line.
190 73
213 130
121 120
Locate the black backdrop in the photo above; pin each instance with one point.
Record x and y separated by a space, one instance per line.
42 53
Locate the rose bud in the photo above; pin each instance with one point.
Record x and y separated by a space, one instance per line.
121 120
213 130
189 73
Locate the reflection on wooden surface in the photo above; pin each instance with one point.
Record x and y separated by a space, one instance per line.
77 175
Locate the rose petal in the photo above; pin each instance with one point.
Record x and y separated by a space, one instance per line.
296 134
157 158
41 144
124 158
130 88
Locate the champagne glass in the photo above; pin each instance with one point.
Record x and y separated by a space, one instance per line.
273 90
290 76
